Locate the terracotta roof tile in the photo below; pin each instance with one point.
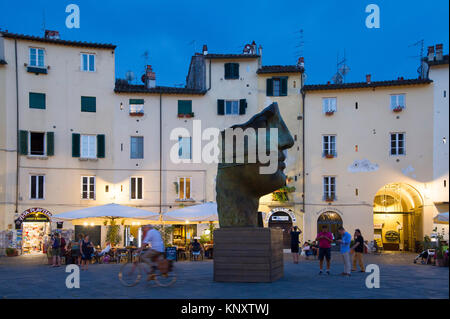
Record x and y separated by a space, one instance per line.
58 41
354 85
231 56
123 87
280 69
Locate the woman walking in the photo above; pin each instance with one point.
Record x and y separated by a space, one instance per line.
358 248
295 234
86 250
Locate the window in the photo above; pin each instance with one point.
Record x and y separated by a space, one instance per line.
329 145
184 191
231 107
136 188
88 187
329 188
397 143
329 104
397 101
88 104
231 71
136 107
137 147
276 86
37 100
37 186
87 62
37 57
88 146
37 144
184 147
184 107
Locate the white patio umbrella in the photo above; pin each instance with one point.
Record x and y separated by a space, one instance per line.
441 218
202 213
97 215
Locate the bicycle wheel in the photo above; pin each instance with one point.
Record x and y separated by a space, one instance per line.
130 274
165 280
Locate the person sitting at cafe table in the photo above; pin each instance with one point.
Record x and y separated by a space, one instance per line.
195 248
105 251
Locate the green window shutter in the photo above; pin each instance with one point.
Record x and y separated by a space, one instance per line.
23 142
101 146
269 87
242 106
228 70
283 83
136 101
37 100
235 73
76 145
184 107
50 143
221 107
88 104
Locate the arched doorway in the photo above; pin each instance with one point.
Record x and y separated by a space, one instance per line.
397 211
33 229
330 219
282 219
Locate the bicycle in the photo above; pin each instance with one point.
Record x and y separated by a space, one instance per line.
159 271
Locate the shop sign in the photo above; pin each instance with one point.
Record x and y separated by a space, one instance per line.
171 253
33 214
392 235
378 226
284 210
280 218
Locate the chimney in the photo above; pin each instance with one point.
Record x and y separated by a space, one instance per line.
368 78
439 52
50 34
253 47
150 78
205 49
260 50
301 62
430 53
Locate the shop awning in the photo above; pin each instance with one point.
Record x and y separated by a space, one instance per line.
441 218
97 215
203 213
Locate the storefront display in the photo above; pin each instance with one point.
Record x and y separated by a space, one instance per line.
33 229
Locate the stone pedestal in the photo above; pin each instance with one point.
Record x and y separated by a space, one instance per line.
248 254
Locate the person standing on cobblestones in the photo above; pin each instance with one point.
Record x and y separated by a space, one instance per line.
295 234
358 249
325 238
345 250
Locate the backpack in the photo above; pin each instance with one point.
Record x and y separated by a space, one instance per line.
55 243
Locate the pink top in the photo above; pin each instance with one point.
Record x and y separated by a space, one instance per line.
324 243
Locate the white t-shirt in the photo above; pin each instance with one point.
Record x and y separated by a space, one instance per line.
153 237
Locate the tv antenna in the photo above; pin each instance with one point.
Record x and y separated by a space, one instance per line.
342 69
193 44
421 44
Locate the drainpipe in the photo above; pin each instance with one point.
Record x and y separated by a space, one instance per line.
17 133
160 158
209 75
303 149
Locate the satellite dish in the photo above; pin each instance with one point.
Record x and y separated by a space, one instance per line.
337 78
129 76
344 69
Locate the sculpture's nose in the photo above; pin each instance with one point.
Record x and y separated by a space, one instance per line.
285 139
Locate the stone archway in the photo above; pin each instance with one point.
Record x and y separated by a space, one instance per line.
397 213
282 218
332 220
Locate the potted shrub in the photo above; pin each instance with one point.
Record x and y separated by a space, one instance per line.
11 252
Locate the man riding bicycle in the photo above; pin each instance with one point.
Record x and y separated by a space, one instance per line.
153 238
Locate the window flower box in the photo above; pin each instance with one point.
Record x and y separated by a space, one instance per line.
329 199
138 114
329 155
329 113
180 115
397 109
185 115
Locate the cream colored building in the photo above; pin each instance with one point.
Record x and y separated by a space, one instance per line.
369 155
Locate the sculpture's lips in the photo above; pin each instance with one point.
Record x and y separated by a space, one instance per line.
281 158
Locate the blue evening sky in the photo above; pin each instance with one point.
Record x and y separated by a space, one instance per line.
167 29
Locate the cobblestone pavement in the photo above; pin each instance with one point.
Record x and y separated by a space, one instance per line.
28 277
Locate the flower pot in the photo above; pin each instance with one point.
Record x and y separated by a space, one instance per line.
329 156
137 114
329 113
398 109
329 199
180 115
